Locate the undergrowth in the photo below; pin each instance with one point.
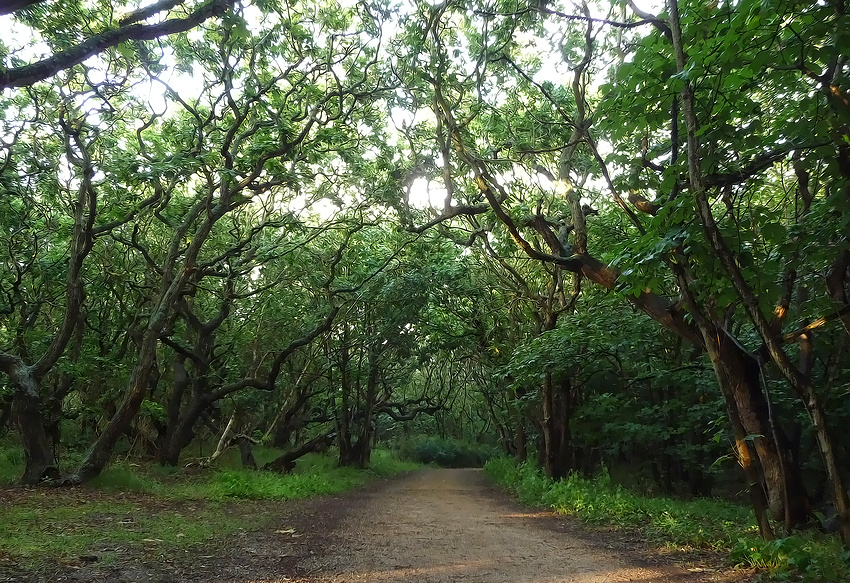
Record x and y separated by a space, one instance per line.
446 453
703 523
11 465
314 474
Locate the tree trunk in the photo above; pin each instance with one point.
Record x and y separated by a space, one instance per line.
223 440
837 287
100 452
38 449
181 267
179 386
364 453
180 434
796 502
27 405
737 374
286 462
738 377
521 442
564 404
755 488
556 441
27 411
5 414
246 455
833 471
344 412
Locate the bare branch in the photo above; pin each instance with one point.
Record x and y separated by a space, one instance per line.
646 19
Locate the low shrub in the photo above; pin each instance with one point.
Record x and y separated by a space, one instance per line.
447 453
386 463
810 556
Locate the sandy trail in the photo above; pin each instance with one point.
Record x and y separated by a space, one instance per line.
440 526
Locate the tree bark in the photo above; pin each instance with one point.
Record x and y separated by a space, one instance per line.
39 453
246 455
223 440
365 440
179 435
828 451
738 376
556 427
344 411
755 488
521 441
286 462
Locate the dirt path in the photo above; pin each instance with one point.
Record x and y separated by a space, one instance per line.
441 526
433 526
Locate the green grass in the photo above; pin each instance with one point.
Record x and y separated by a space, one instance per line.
703 523
125 477
143 506
32 534
11 465
315 474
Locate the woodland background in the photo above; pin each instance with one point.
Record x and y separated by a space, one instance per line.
582 234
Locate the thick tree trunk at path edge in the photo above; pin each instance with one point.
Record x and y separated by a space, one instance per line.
41 459
521 442
791 488
737 374
754 485
738 377
556 436
179 435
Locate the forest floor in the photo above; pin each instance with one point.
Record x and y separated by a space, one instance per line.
431 526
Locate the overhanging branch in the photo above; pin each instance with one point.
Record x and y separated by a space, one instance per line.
46 68
11 6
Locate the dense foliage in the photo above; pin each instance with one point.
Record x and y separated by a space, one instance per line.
588 235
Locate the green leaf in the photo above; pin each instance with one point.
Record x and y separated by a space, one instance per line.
774 232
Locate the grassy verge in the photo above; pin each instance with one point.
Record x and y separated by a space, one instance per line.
705 523
11 465
133 507
313 475
33 534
